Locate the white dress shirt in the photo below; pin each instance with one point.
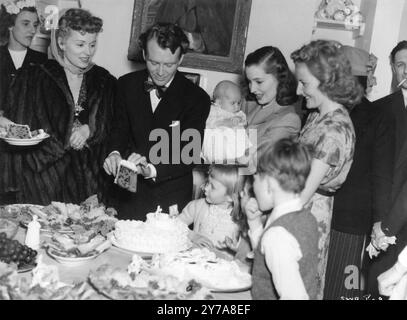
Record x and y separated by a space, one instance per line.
404 91
154 104
282 253
18 57
154 98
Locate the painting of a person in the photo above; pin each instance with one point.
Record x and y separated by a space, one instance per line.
208 25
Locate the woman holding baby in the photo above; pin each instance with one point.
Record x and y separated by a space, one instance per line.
72 100
273 87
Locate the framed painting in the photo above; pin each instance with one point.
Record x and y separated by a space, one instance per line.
194 77
216 29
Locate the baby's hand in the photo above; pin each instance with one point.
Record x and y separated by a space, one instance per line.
202 241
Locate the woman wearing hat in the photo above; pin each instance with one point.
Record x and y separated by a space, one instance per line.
365 195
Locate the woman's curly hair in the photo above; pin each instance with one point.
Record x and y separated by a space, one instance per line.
79 20
327 62
8 20
273 62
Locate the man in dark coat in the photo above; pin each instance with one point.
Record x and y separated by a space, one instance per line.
365 195
394 223
155 104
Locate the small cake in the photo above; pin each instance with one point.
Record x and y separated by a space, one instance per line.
160 233
127 176
18 131
203 266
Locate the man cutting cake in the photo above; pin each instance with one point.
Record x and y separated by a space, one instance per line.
157 98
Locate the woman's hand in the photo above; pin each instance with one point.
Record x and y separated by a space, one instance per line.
79 137
4 122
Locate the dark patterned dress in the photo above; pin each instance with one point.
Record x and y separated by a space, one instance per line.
332 138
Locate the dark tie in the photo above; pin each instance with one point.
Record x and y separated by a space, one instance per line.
159 90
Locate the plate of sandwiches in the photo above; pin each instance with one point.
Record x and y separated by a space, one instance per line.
21 135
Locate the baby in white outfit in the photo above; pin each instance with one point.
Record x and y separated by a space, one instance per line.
225 134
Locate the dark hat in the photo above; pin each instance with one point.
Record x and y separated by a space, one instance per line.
362 62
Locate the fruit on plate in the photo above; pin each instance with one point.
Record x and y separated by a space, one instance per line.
12 251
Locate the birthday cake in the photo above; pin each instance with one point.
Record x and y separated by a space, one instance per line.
158 234
203 266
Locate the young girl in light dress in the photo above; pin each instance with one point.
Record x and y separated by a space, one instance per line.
217 216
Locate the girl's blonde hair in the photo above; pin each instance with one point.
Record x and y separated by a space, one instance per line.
234 182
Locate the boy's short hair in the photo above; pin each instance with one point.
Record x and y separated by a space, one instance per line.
287 161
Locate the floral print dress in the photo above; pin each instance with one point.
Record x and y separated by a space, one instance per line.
332 139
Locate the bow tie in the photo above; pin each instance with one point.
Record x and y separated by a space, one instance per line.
159 90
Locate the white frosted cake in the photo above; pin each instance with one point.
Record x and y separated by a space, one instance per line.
159 234
203 266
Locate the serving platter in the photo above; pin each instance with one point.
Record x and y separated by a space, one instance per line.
145 255
25 142
71 261
151 287
26 268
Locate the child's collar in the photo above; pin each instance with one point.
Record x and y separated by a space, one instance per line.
284 208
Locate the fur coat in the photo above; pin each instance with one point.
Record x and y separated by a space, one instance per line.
52 170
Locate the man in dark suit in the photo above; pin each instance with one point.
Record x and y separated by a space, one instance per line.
394 223
157 104
365 195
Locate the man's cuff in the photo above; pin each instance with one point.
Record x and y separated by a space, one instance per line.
402 259
114 152
153 172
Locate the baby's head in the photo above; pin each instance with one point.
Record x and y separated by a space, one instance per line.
228 96
282 167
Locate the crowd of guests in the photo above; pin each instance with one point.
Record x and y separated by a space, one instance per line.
316 189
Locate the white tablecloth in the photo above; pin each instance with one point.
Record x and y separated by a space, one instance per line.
115 257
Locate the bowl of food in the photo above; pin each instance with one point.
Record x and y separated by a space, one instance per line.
9 227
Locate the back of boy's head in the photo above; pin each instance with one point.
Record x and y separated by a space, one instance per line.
222 87
287 161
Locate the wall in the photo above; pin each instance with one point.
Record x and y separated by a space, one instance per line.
267 26
385 36
403 24
114 40
287 24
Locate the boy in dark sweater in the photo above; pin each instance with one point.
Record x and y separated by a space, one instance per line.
285 261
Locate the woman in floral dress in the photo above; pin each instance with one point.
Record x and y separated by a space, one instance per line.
326 82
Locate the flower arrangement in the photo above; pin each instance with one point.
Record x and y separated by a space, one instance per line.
14 7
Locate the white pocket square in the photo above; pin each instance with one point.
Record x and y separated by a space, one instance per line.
174 123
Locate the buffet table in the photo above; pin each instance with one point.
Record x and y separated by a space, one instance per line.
113 256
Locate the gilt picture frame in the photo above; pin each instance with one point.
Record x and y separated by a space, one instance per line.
226 57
